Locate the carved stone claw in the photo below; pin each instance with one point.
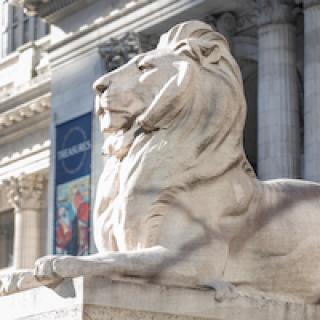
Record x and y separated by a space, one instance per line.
16 281
223 290
45 270
9 284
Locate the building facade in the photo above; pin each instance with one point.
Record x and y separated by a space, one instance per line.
50 142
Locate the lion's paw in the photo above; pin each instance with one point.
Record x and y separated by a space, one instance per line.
223 290
46 269
15 281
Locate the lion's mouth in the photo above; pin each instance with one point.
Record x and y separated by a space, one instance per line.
118 111
114 117
109 124
108 104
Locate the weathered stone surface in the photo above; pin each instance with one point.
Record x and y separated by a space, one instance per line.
97 298
275 11
278 103
117 52
311 91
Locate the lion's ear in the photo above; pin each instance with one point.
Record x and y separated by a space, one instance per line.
165 105
207 52
211 54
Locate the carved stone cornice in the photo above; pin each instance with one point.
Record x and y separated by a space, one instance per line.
118 51
275 12
27 110
25 191
42 8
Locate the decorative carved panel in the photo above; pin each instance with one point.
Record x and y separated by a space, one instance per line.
118 51
26 191
92 312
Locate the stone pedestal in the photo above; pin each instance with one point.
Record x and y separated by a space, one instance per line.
278 116
98 298
311 90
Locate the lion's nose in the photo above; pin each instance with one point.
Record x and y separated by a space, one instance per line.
100 87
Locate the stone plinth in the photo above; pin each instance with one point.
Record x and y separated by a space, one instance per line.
98 298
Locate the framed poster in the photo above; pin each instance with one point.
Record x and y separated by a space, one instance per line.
72 186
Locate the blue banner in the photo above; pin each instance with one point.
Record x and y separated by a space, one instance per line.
72 192
73 149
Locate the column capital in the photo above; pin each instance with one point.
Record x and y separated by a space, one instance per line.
118 51
310 3
275 12
25 191
225 23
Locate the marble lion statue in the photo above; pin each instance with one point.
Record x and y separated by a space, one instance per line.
178 202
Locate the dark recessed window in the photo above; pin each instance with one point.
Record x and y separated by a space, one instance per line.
18 28
6 238
26 31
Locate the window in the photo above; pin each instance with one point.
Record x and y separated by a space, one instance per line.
6 238
4 27
18 28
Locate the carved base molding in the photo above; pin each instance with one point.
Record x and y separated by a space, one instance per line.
73 313
92 312
98 298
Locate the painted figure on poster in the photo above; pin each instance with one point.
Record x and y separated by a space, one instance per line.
72 217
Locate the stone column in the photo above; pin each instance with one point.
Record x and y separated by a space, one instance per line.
278 117
312 90
25 194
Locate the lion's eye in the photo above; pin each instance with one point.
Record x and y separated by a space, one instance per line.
145 66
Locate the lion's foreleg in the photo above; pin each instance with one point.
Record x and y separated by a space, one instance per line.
145 262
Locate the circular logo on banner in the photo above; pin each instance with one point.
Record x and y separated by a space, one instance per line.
74 150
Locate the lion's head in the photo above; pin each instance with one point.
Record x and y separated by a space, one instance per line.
190 83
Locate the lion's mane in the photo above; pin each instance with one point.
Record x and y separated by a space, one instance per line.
215 122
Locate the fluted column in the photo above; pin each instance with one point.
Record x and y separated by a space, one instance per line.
278 117
312 90
25 194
